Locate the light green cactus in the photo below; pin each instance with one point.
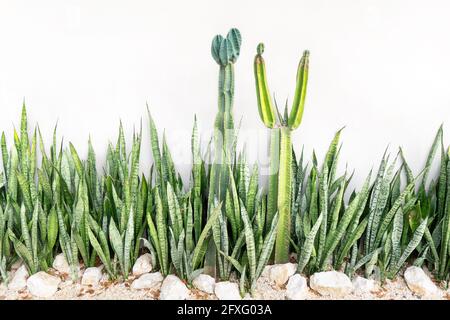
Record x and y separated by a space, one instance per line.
280 175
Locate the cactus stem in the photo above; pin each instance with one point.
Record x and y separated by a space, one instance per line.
284 197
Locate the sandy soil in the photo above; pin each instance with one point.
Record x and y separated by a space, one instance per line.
107 290
392 290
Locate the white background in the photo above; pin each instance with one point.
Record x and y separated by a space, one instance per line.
381 68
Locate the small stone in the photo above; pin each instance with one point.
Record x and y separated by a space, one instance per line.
42 284
280 273
142 265
419 283
227 290
363 286
92 276
296 288
331 283
173 289
148 281
204 283
19 279
60 264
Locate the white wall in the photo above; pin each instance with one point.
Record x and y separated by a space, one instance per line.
379 67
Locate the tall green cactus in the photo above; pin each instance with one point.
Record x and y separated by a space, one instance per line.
280 176
225 52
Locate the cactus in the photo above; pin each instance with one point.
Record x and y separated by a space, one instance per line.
225 52
280 175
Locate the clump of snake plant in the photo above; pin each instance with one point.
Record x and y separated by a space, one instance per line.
369 232
404 223
326 227
280 179
28 227
115 228
177 234
380 248
432 202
